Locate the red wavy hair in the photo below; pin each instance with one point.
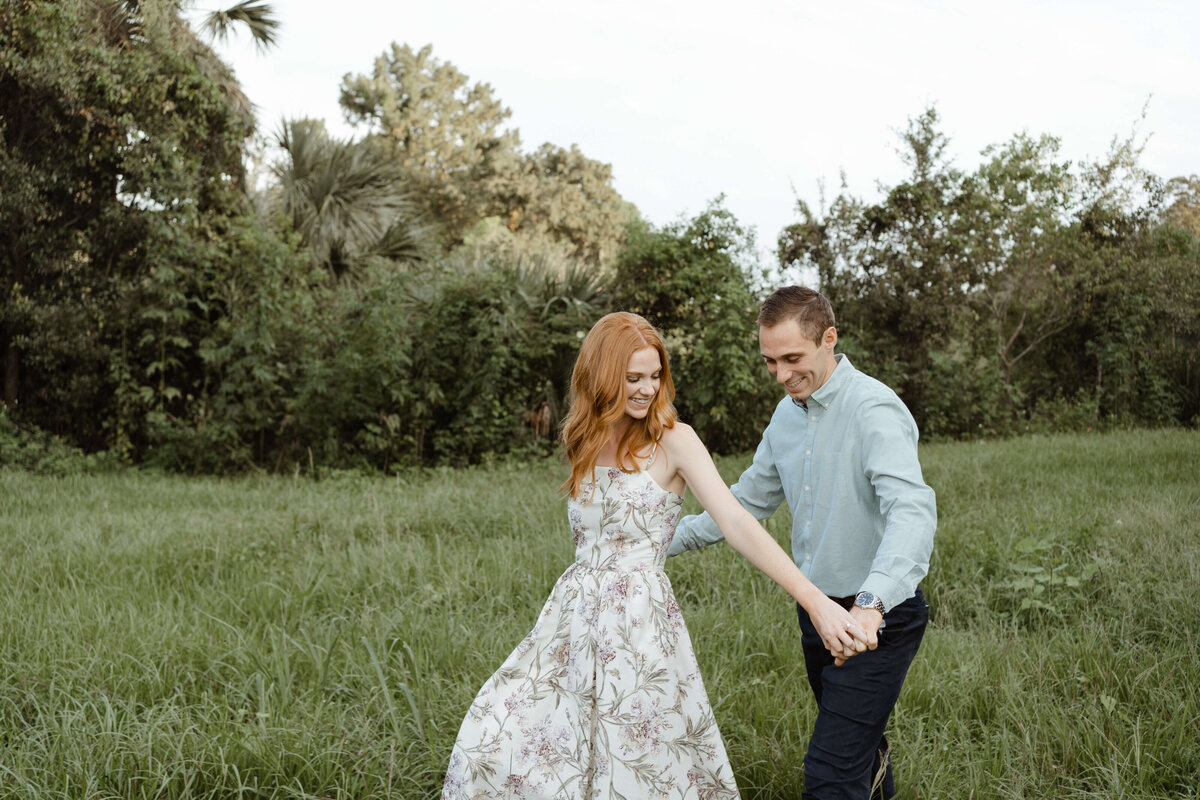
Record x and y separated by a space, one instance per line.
598 396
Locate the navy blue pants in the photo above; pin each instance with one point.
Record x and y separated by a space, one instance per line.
848 752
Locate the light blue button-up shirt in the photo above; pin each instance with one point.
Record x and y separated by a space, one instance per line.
862 516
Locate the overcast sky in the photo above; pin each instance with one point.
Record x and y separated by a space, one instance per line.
764 100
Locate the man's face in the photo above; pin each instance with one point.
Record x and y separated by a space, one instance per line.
796 361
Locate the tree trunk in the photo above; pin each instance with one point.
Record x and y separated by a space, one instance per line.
11 354
10 371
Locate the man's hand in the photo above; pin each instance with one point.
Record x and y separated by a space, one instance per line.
868 620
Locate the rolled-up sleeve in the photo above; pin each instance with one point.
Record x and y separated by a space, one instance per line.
907 504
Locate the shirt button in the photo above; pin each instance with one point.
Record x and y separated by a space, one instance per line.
808 558
806 488
808 452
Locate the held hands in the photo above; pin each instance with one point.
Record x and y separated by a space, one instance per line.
869 620
845 633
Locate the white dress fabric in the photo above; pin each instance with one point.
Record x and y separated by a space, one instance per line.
603 699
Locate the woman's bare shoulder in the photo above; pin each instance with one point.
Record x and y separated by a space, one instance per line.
679 429
679 437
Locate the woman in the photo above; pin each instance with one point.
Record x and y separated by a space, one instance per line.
603 699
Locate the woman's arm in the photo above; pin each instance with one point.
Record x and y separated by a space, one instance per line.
841 635
758 490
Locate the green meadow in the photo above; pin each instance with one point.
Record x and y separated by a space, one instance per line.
285 637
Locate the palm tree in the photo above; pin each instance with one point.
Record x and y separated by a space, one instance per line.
348 201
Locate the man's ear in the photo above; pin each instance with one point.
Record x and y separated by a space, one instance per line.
829 338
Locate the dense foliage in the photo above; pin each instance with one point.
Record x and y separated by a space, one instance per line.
124 220
416 296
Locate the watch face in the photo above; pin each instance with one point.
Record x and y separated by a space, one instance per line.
867 600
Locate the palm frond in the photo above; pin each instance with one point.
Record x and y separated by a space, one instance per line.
259 19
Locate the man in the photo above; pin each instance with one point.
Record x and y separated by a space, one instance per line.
841 448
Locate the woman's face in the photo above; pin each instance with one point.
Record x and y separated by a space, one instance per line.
643 375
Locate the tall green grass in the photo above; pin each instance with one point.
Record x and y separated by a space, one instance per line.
272 637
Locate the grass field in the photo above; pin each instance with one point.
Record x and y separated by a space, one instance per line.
274 637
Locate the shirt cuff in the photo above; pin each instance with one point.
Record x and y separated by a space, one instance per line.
890 591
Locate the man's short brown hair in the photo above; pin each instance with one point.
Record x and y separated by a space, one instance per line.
807 307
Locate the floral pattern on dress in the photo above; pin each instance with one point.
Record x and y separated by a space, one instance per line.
603 699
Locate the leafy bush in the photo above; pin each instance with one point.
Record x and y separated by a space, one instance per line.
36 451
971 397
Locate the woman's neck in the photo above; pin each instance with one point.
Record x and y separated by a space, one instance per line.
620 427
609 455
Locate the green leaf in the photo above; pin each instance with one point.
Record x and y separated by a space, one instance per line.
1030 545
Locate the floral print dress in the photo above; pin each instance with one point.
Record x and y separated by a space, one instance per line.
603 699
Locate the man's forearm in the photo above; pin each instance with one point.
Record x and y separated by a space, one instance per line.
693 533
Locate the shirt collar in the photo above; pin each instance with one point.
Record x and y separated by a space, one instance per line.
825 396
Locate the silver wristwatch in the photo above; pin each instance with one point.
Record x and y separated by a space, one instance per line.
868 600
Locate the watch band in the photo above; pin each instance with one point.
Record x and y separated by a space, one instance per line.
868 600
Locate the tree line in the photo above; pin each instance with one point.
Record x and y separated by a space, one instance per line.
1028 290
416 295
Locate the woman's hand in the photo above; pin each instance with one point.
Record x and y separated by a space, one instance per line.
841 634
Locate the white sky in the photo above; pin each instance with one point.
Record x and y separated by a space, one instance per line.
762 100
